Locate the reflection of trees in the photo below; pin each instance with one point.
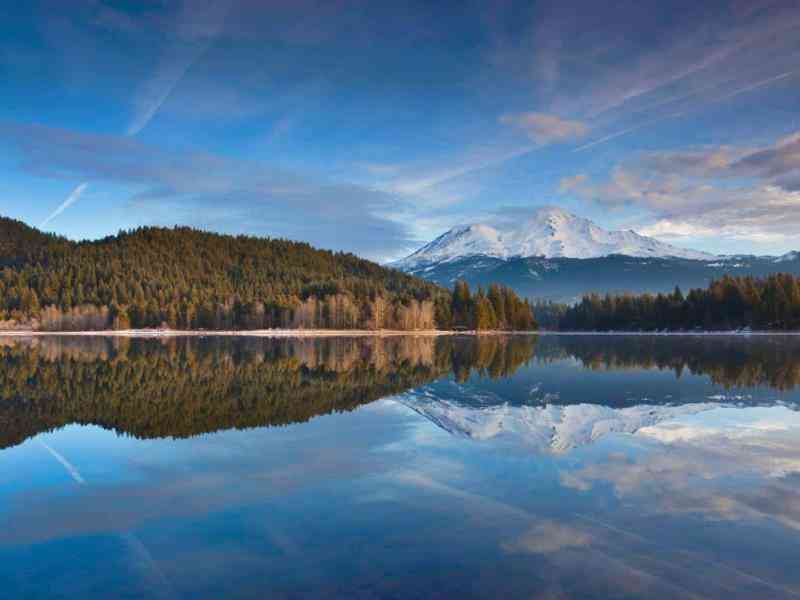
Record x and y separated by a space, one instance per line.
181 387
728 361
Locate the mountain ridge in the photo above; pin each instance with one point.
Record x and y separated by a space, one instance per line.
550 232
450 258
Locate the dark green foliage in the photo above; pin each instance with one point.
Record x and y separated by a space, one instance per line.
501 309
186 386
183 278
771 303
549 313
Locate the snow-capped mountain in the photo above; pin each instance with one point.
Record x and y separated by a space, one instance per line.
550 232
546 428
788 257
558 256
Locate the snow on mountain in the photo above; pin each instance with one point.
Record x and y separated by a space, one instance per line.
789 256
550 232
545 428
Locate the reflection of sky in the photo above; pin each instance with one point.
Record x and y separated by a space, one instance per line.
381 501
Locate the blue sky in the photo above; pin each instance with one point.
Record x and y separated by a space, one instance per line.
372 127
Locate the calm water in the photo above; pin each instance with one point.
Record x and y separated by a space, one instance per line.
557 467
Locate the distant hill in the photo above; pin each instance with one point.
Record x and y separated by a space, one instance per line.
190 279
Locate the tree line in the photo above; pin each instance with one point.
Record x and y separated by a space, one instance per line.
182 278
771 303
499 308
727 362
189 386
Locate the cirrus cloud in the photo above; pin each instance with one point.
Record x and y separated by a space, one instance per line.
740 193
209 190
544 128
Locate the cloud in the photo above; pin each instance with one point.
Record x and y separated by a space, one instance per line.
545 129
741 193
207 190
602 67
549 537
690 465
467 165
779 164
573 183
665 228
731 94
194 29
73 197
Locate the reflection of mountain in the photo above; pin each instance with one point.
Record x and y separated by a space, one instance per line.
581 388
187 386
577 389
548 427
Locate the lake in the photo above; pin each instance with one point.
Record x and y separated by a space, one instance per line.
404 467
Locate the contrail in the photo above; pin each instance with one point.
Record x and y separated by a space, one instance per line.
178 60
198 26
71 199
754 86
743 90
156 91
419 185
73 472
138 550
693 555
612 136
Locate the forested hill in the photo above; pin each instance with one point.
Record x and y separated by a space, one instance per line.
20 243
189 279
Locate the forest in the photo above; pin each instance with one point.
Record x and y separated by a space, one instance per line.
185 386
183 278
766 304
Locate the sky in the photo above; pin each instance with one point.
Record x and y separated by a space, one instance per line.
373 127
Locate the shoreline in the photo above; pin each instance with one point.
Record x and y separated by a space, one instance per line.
261 333
673 333
319 333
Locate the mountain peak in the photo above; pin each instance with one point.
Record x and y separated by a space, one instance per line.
549 232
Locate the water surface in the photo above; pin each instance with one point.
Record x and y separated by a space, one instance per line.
551 467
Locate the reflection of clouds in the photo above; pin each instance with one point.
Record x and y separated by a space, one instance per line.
198 477
548 537
699 468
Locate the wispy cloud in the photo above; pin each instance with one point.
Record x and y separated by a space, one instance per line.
544 128
737 92
418 184
198 23
740 193
209 190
